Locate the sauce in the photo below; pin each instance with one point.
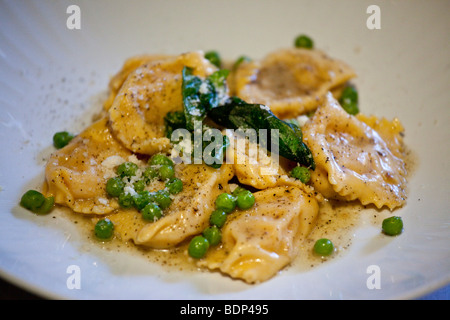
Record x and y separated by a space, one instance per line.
173 260
336 221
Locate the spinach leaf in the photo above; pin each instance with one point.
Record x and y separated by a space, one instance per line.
200 96
194 109
237 114
218 79
208 97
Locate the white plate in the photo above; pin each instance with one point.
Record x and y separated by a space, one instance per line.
54 78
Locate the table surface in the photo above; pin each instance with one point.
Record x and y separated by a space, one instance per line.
9 291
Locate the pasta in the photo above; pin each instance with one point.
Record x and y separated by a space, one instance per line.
260 242
189 214
76 174
290 81
356 157
137 114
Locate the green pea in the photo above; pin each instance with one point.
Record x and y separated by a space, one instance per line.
214 58
174 185
36 202
245 200
142 198
162 198
166 172
47 206
126 200
349 100
139 185
324 247
238 190
218 218
240 60
198 247
114 186
392 226
226 202
213 235
61 139
151 212
32 200
160 159
301 173
150 173
303 41
127 169
104 229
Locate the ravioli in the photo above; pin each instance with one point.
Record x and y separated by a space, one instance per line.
151 91
352 160
259 242
290 81
252 165
130 65
390 131
76 175
190 210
